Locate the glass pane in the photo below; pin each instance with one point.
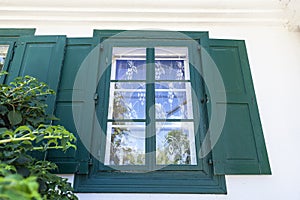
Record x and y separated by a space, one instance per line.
3 54
125 144
171 63
175 143
128 63
173 100
127 100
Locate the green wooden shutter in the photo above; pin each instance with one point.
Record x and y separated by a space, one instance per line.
72 161
40 57
13 33
9 36
240 149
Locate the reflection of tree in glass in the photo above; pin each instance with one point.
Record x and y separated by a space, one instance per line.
121 108
121 153
119 105
176 149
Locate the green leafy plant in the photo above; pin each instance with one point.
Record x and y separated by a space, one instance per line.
15 186
23 130
22 102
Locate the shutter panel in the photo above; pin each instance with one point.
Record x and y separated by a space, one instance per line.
72 161
40 57
240 149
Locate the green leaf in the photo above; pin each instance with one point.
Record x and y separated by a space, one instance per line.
3 110
52 117
6 133
14 117
2 123
2 130
23 129
22 160
3 73
35 121
39 138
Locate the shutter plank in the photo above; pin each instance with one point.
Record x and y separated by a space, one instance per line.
74 161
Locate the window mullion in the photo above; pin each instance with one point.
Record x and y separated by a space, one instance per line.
150 109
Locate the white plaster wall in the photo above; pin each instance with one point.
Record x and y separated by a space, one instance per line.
274 55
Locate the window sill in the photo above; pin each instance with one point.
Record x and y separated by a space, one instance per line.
188 182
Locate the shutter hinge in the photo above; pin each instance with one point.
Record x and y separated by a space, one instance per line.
210 161
90 162
199 48
204 99
18 43
96 97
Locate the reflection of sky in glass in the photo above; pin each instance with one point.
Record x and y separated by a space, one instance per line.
173 101
128 101
164 70
2 59
130 70
3 54
169 70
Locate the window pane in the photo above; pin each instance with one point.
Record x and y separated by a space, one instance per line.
3 54
125 144
171 63
175 143
127 100
128 63
173 100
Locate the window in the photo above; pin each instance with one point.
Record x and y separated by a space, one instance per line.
3 55
137 85
152 121
156 100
